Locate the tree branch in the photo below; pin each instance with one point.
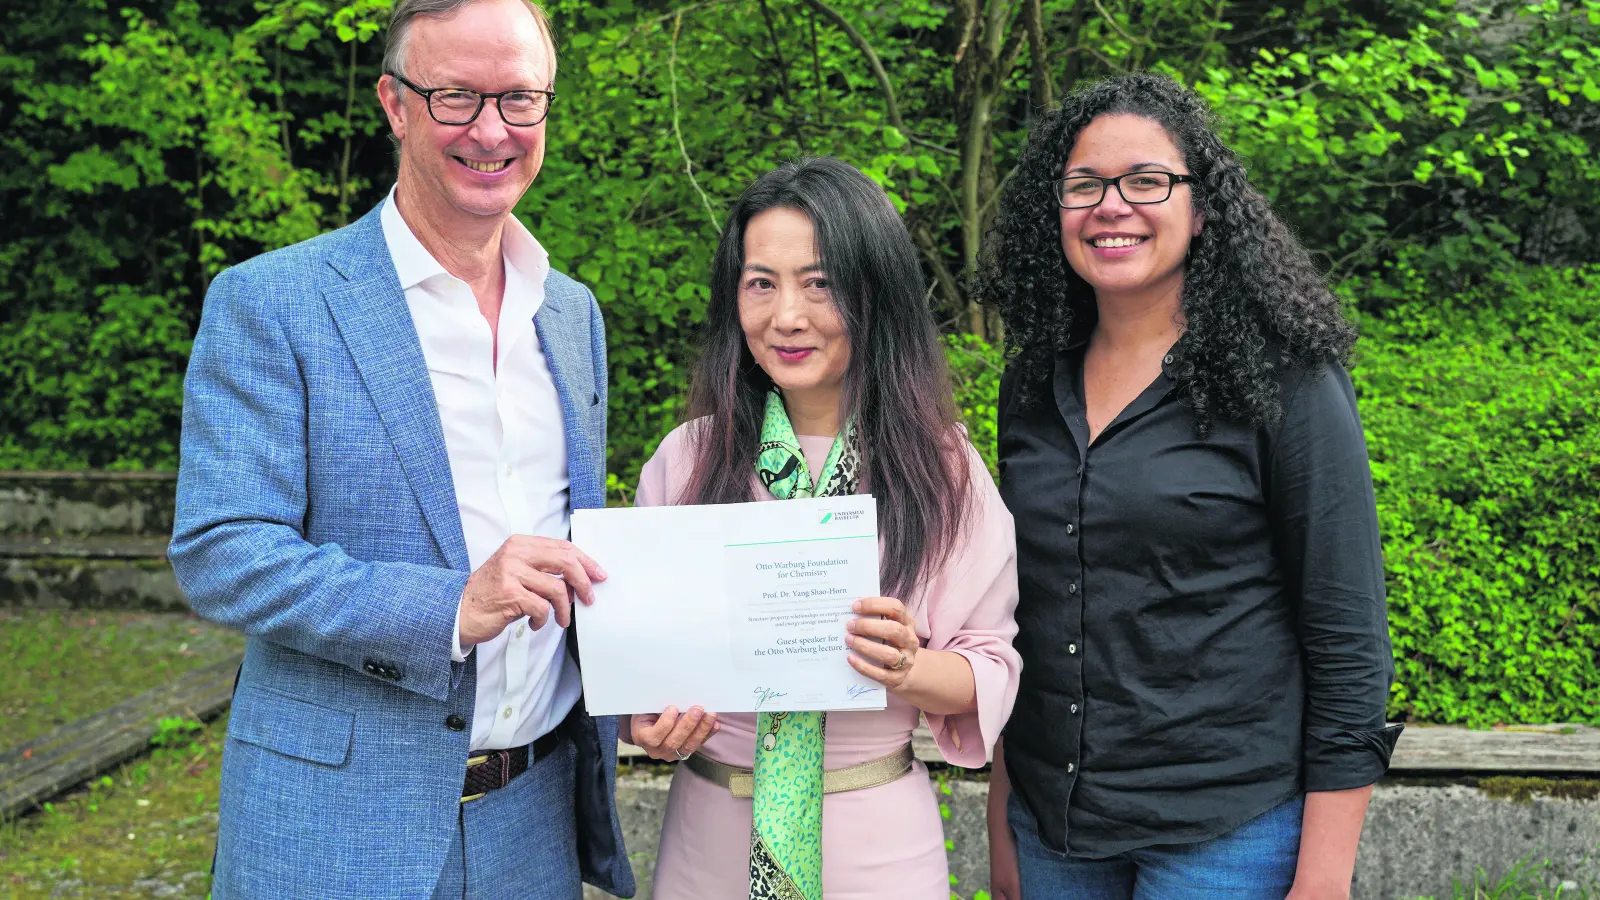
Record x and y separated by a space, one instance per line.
1110 20
995 32
816 57
647 23
1039 79
969 22
891 108
777 53
688 164
942 277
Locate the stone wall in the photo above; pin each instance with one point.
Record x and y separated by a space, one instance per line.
87 540
1419 837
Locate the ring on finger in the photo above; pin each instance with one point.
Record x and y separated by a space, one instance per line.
900 663
681 755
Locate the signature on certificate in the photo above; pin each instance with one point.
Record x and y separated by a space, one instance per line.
765 694
860 690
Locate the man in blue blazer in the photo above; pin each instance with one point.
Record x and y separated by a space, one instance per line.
385 430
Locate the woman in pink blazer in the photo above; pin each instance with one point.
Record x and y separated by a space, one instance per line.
822 373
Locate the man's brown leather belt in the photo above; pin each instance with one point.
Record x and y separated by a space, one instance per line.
741 782
491 770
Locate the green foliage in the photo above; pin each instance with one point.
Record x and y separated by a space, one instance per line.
175 732
975 368
1527 880
1482 414
1465 143
94 388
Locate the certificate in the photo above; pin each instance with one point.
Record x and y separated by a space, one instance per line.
734 608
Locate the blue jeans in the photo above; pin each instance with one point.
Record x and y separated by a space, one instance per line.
1255 861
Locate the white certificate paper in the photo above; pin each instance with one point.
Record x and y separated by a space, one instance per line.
734 608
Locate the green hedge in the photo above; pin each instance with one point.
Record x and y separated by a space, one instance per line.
1482 414
1483 420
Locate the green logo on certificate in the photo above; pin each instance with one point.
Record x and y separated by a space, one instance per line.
826 518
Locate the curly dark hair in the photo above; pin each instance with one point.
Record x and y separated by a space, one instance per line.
1253 302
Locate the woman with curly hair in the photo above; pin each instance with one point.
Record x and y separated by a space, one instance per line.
1205 648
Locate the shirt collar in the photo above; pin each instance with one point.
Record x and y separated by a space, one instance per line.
414 264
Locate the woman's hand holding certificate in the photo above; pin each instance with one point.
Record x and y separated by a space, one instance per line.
888 650
669 735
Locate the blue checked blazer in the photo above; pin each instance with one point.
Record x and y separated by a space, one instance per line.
316 513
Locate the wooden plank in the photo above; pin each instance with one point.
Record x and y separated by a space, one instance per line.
1568 749
78 751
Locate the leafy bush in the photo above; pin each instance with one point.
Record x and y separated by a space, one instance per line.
975 367
101 390
1483 421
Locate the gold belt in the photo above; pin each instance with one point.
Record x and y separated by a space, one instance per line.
741 782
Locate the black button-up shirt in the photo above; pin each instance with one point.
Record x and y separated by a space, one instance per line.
1201 620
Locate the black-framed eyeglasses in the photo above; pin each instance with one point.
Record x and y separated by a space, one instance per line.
522 108
1084 191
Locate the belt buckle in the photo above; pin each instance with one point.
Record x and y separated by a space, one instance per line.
476 761
742 784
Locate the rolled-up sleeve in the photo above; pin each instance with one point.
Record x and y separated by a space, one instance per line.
1326 525
970 608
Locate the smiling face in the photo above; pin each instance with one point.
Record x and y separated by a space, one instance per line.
478 170
1122 248
790 322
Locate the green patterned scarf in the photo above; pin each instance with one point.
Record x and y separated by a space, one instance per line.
786 840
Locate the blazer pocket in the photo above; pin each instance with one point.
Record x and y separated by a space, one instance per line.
291 726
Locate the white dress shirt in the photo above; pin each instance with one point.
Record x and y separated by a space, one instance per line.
508 460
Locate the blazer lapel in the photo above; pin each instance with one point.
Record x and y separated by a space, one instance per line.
565 340
370 310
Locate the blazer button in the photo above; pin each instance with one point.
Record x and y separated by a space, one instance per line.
455 723
370 667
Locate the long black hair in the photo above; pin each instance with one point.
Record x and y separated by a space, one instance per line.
1252 300
896 384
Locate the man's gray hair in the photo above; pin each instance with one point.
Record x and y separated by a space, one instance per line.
407 11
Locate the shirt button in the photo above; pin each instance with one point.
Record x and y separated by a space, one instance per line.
1074 708
455 723
1072 588
510 470
1070 529
1167 359
1071 768
1072 648
506 714
522 630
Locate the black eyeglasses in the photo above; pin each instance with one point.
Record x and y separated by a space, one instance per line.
523 108
1084 191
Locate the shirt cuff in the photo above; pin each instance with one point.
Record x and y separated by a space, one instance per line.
457 654
1337 759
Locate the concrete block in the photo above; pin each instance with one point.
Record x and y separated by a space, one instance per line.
87 503
1420 837
78 583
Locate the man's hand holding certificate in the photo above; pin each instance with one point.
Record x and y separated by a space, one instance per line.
734 608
